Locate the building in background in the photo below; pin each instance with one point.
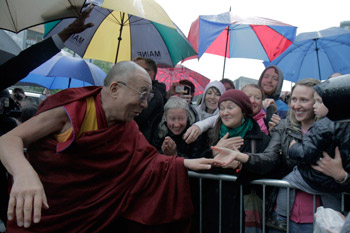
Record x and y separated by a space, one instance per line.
345 25
242 81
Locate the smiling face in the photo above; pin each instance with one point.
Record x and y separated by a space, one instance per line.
230 114
269 81
128 103
255 97
176 119
211 99
301 103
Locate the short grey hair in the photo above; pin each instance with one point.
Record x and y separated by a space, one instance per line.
176 102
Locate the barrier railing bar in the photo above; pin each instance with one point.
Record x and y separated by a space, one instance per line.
220 203
262 182
288 197
264 208
200 206
240 208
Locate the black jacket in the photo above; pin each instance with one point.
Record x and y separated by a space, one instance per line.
230 190
275 161
19 67
324 135
261 142
150 117
192 150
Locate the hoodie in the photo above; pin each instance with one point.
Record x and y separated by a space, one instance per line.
282 107
202 114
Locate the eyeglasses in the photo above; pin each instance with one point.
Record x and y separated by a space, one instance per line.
143 96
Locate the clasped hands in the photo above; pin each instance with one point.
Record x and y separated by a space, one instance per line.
169 148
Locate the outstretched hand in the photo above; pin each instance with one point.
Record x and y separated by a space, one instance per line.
191 134
228 157
78 25
224 155
198 164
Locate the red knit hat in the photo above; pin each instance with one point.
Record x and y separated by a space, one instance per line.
239 98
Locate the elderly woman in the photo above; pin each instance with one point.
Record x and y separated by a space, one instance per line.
234 121
168 139
169 134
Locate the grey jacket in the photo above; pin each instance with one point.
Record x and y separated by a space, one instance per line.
274 161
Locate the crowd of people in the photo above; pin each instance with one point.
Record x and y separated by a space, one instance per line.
115 158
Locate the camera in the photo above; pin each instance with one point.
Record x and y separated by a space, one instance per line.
8 107
186 90
18 97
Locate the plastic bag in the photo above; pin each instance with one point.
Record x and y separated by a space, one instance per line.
328 220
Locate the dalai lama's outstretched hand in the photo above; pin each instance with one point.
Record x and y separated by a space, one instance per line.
200 164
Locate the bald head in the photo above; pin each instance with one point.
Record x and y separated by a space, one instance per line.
124 71
122 94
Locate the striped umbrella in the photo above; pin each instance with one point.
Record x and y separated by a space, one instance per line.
228 35
117 36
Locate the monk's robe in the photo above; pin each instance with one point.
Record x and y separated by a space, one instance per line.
106 180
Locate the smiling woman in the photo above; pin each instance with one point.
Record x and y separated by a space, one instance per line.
168 136
234 129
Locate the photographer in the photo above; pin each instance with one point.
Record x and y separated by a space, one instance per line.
18 96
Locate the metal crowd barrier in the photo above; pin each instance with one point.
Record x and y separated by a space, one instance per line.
262 182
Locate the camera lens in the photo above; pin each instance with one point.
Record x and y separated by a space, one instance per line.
18 97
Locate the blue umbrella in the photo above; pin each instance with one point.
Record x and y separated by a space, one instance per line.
316 55
63 71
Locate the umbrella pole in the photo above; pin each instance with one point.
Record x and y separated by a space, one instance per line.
318 61
120 36
223 72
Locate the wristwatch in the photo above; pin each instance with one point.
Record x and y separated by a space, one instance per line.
346 179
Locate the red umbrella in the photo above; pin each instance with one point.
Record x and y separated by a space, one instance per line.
179 72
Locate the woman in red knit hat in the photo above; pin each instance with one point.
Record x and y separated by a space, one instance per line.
235 120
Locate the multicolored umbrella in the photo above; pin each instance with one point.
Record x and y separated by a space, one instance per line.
17 15
117 36
232 36
173 75
146 9
61 72
316 55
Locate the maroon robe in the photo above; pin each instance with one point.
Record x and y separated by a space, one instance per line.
107 174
